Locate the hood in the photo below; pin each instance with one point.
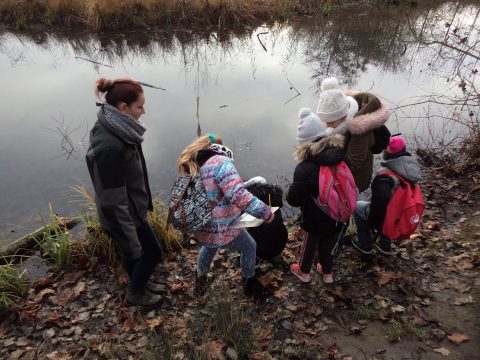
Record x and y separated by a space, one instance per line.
406 166
326 151
365 120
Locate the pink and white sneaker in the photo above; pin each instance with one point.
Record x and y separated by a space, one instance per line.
295 269
327 278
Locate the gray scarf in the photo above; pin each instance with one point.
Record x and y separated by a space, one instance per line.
121 124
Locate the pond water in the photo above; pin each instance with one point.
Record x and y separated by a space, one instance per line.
242 86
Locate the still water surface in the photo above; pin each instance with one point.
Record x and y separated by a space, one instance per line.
225 84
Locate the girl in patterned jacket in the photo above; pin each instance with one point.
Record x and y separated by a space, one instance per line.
208 157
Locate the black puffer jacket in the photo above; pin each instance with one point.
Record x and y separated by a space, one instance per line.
326 152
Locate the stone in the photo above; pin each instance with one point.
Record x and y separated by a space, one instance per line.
231 354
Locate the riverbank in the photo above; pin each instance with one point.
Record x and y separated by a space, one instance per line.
145 14
421 303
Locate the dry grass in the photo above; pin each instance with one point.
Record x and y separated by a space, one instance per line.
98 243
119 14
169 237
13 286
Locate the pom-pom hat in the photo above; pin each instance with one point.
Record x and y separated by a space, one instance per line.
310 127
396 145
333 104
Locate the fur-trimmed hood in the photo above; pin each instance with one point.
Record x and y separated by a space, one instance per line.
313 150
366 119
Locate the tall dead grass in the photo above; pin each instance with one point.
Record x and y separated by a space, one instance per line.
120 14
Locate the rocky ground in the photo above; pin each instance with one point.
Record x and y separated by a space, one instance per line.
420 303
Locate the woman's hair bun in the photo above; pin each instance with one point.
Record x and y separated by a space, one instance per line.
103 85
329 84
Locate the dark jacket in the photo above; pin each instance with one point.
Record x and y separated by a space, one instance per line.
271 238
383 186
301 193
122 192
360 138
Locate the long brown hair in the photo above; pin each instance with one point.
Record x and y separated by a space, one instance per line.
186 163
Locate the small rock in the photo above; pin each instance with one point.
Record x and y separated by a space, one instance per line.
380 351
286 324
231 354
16 354
21 342
142 342
9 342
48 334
438 334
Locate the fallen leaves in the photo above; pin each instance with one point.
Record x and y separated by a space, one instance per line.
398 309
442 351
282 292
58 355
385 277
39 297
29 311
458 338
260 356
213 350
68 294
463 300
272 279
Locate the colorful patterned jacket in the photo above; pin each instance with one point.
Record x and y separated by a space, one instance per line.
225 188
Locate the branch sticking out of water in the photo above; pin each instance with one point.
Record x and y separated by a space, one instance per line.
292 88
258 37
151 86
93 61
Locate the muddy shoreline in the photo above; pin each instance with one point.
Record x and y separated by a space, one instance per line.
421 303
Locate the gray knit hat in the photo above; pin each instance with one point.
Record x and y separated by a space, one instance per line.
310 127
333 104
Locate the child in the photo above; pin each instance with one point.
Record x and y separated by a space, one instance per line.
229 197
355 115
315 149
370 218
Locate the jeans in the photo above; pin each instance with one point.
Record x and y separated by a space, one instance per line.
243 243
364 233
140 270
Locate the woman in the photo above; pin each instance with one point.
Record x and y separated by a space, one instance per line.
213 161
122 193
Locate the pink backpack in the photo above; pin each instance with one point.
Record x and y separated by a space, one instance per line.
337 192
404 210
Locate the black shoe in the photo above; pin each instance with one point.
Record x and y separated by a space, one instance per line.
201 284
155 288
385 247
145 299
252 287
364 249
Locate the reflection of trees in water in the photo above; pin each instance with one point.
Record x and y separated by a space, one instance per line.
344 46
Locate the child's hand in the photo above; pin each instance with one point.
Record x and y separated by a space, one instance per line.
270 219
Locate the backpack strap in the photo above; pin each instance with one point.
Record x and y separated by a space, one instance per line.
397 179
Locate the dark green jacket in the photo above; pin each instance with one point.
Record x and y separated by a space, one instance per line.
122 192
360 138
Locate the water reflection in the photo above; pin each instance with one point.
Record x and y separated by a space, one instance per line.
217 82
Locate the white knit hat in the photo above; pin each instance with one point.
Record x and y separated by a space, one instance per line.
310 127
334 104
